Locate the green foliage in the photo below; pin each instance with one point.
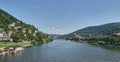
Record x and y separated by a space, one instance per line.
30 36
17 31
4 40
75 38
39 36
105 39
17 36
33 42
92 31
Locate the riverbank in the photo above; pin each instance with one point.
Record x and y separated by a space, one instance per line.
17 47
22 44
101 40
109 47
11 50
13 47
102 44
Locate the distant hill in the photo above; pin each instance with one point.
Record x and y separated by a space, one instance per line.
17 30
54 35
101 30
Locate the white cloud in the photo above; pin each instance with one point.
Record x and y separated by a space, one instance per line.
57 30
53 28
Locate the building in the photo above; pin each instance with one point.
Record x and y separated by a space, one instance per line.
116 34
12 24
4 35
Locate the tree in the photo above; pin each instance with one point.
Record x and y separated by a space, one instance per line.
39 36
17 36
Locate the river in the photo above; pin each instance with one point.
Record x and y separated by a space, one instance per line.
64 51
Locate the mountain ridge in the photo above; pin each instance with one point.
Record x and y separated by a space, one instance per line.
100 30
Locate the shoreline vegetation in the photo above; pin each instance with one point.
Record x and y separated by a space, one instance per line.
22 44
108 42
17 47
103 40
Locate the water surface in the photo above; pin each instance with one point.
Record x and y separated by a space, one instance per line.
64 51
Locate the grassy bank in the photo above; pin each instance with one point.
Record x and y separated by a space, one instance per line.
23 44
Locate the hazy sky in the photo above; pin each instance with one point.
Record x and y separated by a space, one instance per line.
63 16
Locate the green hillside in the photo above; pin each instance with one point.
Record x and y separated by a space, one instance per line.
92 31
18 31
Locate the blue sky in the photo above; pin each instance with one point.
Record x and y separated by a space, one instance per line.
63 16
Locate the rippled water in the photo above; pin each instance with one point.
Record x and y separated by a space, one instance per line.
64 51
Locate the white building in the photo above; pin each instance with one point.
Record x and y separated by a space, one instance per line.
1 34
12 24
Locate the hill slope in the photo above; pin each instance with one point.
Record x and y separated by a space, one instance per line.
101 30
55 36
16 30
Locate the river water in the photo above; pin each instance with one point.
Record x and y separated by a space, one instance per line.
64 51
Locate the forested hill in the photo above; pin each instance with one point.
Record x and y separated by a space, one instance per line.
16 30
101 30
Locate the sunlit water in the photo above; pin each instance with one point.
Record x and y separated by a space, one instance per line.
64 51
